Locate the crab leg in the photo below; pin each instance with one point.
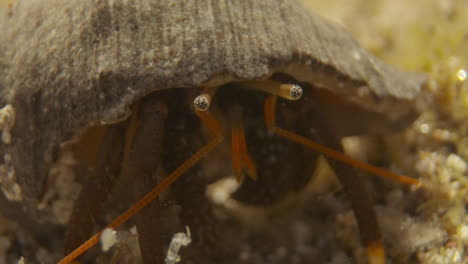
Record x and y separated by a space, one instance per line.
212 124
353 184
360 198
97 187
141 164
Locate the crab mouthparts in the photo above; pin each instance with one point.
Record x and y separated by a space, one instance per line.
241 160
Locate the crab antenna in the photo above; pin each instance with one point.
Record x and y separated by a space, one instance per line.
286 91
270 121
203 101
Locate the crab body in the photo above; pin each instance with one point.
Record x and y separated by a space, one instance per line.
70 66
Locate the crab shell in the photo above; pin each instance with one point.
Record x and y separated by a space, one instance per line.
70 65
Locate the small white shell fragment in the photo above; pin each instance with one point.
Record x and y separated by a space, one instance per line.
178 240
220 191
456 163
425 128
462 74
21 261
7 121
62 188
108 239
356 55
464 234
9 186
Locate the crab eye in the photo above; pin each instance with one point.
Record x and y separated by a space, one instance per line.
202 102
295 91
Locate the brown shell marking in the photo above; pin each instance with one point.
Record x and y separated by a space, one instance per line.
72 64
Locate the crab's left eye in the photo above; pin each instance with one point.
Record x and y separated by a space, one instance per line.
202 102
295 92
284 90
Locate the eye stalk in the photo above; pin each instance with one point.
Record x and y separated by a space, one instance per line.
284 90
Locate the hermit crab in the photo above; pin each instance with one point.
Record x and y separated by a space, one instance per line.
134 87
